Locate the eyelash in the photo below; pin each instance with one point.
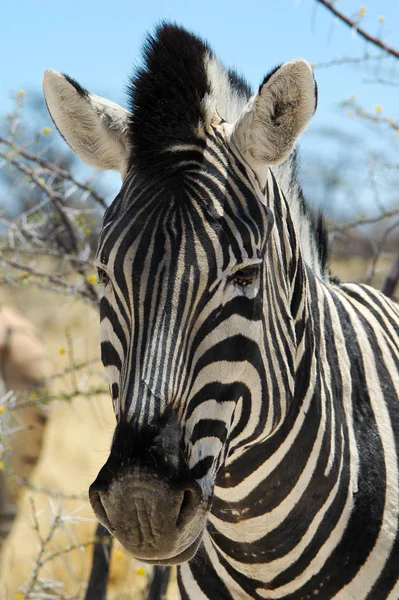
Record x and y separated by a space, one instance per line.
246 276
102 276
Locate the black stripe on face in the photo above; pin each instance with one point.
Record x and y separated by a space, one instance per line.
115 391
107 312
202 467
216 220
109 356
209 428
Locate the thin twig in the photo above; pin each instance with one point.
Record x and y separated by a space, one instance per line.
46 398
55 169
43 251
363 114
382 81
55 197
377 254
75 368
31 271
353 25
50 493
56 553
38 563
365 221
337 62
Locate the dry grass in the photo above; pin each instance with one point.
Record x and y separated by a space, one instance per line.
76 445
359 270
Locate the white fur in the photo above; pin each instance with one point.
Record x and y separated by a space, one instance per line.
264 137
95 128
223 99
290 187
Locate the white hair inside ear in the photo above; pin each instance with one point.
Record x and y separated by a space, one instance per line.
266 131
95 128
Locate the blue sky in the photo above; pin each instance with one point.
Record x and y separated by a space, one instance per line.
98 43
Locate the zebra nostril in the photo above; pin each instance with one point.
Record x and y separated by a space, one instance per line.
98 486
184 507
191 498
97 489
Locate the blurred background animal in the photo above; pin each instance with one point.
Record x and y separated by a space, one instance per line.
24 366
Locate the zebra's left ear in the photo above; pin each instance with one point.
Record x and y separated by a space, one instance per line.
266 130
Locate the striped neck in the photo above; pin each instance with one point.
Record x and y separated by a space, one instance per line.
301 461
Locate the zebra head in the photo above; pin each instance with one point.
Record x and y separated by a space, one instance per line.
197 322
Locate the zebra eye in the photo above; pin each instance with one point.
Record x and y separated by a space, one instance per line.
102 276
246 276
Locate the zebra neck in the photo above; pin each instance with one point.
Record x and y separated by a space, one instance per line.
281 484
286 499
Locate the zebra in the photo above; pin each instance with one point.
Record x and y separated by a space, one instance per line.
256 398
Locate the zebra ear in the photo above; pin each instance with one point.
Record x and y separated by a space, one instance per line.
268 127
95 128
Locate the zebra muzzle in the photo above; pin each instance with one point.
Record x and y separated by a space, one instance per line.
156 520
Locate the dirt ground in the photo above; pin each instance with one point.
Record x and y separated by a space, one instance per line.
76 445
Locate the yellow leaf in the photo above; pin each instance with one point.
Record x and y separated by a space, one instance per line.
381 19
2 409
93 278
62 351
378 108
1 465
21 94
46 130
362 11
141 571
118 555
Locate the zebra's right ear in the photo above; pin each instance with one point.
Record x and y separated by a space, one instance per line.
95 128
266 131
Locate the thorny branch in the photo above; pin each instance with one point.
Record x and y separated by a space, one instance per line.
52 168
29 589
36 585
50 493
353 25
19 402
363 114
344 227
55 197
338 62
60 283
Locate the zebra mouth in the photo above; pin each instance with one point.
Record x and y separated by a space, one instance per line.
180 558
156 521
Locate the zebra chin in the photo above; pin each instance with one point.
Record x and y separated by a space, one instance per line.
155 520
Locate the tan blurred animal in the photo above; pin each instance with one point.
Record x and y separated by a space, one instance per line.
24 366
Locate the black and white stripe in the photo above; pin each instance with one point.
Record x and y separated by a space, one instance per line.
287 390
224 338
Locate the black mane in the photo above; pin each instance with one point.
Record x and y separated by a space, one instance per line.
166 97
